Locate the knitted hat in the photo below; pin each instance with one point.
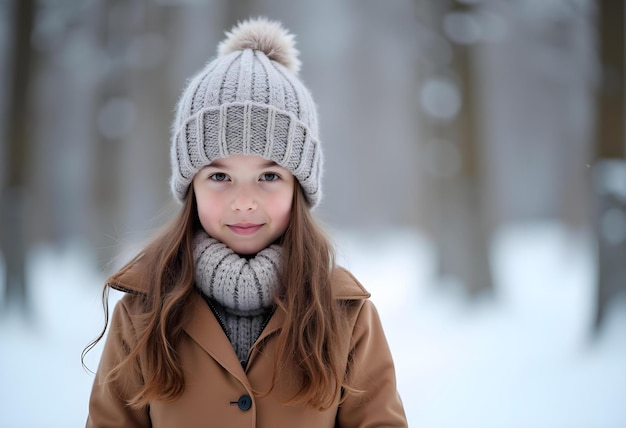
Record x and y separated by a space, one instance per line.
248 100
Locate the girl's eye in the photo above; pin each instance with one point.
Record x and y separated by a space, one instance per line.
269 176
218 176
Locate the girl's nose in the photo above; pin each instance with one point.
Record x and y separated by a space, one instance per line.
244 200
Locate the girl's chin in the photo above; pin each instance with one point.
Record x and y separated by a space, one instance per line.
246 250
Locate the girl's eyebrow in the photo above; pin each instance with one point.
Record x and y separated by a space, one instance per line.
217 164
268 164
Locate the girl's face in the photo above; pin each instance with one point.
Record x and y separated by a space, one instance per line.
244 201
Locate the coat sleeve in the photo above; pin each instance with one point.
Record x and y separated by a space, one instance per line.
107 404
374 400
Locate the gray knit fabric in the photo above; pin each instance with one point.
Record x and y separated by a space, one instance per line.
250 101
242 330
242 288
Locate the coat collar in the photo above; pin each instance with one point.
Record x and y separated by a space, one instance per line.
204 328
345 285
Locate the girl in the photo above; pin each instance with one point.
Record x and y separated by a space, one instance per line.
236 315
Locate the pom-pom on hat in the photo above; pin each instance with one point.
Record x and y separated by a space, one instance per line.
248 100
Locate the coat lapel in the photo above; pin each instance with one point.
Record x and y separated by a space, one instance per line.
275 323
206 331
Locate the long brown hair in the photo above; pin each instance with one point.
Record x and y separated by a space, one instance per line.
170 268
308 339
310 333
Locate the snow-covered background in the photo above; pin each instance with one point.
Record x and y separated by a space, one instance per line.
521 358
387 77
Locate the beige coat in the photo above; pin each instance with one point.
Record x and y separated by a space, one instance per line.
219 392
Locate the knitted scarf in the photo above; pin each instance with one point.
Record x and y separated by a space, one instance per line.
240 291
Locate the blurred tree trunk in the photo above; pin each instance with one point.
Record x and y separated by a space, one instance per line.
145 159
610 163
14 197
113 29
472 246
458 219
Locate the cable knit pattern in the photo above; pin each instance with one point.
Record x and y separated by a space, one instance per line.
241 289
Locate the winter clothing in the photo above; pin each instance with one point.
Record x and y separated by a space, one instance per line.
219 392
240 290
250 101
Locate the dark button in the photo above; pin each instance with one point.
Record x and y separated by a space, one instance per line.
244 402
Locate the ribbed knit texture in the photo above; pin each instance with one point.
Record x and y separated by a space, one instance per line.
248 101
241 330
243 289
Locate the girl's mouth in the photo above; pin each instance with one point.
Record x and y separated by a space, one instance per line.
244 228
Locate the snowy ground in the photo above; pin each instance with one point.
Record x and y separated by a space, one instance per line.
521 359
